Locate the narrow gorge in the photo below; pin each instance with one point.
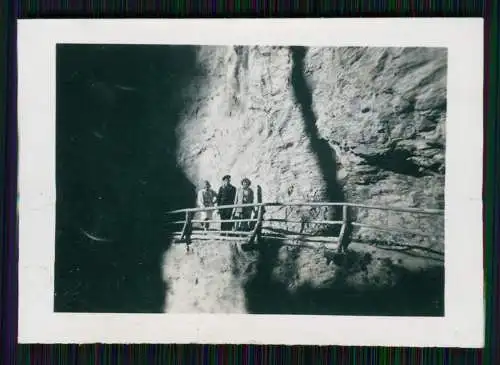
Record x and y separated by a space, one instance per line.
140 127
363 125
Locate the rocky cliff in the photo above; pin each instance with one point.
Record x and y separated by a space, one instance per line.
362 125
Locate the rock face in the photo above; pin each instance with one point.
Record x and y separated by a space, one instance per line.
362 125
246 122
359 125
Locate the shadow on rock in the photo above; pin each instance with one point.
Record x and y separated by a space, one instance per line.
352 290
324 154
117 110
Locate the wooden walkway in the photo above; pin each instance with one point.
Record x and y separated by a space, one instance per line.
263 224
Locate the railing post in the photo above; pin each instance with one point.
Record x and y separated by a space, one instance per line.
260 219
345 230
260 216
256 233
255 236
187 229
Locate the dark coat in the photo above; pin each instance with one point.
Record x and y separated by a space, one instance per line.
226 195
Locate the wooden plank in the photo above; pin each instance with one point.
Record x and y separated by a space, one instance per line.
285 241
305 243
222 238
314 204
214 221
325 239
280 220
267 231
229 206
356 205
324 222
196 236
277 231
314 246
331 245
392 229
205 233
217 235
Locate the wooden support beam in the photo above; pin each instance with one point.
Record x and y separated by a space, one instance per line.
215 232
214 221
314 204
187 229
307 222
256 233
394 230
298 237
345 230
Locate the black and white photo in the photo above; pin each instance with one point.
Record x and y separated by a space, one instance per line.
281 179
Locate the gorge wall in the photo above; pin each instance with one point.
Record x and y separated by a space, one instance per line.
139 127
362 125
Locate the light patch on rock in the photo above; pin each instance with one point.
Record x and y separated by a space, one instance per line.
201 281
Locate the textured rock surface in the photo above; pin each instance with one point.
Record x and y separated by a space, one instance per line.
350 124
362 125
203 281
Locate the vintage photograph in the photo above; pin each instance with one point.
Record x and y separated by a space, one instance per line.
235 179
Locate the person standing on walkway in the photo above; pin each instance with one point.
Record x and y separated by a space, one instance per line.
206 199
226 196
244 195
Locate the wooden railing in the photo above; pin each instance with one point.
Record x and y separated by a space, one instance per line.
346 223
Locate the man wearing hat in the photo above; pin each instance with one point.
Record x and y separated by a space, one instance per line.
226 195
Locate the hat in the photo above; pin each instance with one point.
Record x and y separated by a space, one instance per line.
246 180
226 177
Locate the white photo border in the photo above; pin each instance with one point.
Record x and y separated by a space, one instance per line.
463 323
